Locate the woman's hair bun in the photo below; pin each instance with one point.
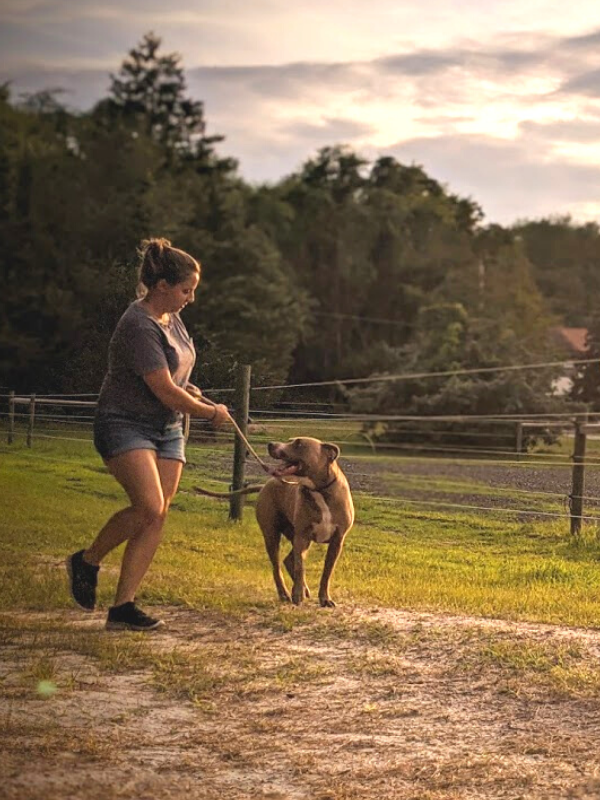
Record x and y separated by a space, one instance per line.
160 260
154 247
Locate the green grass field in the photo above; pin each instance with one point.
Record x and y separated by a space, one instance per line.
56 495
237 687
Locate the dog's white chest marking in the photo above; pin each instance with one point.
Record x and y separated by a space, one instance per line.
323 530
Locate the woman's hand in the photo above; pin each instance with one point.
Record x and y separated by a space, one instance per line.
187 401
221 415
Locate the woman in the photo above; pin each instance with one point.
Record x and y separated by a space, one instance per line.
138 427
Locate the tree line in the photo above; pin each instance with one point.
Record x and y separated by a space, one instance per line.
343 269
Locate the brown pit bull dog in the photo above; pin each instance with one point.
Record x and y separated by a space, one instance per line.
307 501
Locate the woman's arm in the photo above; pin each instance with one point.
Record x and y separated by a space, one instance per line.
170 395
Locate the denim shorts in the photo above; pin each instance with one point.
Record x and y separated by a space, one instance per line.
118 433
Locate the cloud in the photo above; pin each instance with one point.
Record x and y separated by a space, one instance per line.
419 63
511 121
328 131
587 83
287 81
81 89
228 32
569 130
142 14
509 179
587 42
445 121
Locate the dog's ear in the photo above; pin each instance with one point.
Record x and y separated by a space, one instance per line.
332 450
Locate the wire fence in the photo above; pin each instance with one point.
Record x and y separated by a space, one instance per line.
408 474
477 451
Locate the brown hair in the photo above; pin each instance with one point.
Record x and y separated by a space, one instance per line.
161 261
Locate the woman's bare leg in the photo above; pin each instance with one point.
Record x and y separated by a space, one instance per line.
137 472
117 530
141 547
169 471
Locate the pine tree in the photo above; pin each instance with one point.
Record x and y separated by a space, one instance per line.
150 89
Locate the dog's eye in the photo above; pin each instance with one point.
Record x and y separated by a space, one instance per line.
297 443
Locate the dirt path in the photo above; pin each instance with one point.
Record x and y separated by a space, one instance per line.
306 705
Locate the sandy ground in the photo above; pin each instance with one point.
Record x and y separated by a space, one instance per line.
324 705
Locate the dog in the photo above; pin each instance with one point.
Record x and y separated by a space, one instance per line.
307 500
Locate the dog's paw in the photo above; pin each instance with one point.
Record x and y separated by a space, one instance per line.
327 602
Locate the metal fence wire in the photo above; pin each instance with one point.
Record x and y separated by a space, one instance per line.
69 418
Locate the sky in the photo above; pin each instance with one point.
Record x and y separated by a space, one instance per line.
499 100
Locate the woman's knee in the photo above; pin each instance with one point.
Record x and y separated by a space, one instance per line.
151 512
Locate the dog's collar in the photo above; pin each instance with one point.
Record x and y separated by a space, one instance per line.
322 488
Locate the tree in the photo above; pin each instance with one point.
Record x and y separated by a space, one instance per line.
327 245
566 265
421 235
150 90
75 205
371 246
38 309
253 311
448 340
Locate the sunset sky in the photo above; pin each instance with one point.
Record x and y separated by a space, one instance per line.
497 99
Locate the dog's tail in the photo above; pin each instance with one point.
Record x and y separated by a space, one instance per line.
225 495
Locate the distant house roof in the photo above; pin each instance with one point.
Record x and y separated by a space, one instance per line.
572 339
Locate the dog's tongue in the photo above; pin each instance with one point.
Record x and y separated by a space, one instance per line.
289 469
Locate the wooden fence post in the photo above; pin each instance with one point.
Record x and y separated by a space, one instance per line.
578 480
519 442
11 417
242 406
31 420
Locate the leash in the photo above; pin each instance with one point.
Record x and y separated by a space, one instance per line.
245 441
266 468
246 489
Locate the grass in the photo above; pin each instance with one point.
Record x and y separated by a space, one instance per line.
57 495
528 500
244 680
527 666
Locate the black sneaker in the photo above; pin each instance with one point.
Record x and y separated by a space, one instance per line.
83 579
128 617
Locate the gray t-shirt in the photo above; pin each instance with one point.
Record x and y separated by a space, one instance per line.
139 345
